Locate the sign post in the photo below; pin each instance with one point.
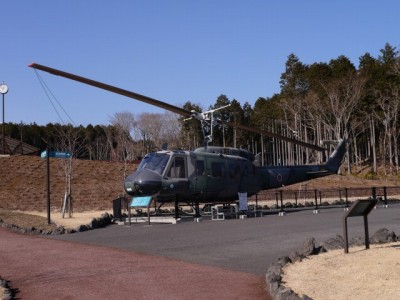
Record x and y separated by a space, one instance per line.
47 154
360 208
140 202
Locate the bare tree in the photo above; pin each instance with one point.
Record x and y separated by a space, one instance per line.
124 120
396 66
156 129
389 104
147 131
68 140
172 130
342 97
301 124
337 108
96 146
121 136
120 139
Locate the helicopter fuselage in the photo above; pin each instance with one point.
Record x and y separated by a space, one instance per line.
216 175
193 177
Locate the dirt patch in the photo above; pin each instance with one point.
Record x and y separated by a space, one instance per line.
29 219
23 220
361 274
76 219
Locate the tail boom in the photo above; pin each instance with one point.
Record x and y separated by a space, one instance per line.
275 177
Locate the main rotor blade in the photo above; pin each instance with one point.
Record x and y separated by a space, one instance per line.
274 135
113 89
162 104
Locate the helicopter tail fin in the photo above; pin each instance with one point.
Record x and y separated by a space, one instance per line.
335 160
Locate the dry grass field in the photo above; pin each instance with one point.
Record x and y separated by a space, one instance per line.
360 275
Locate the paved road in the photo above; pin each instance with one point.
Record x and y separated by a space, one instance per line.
248 245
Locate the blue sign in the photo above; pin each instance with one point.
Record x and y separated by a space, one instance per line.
140 201
56 154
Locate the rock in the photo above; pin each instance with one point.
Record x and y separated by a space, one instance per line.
357 241
295 256
94 223
273 288
274 273
104 220
22 230
383 235
308 247
284 260
106 217
81 228
7 294
334 243
60 229
286 294
34 231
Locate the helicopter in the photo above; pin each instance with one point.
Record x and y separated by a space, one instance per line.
209 174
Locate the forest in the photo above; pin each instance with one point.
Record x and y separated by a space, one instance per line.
319 102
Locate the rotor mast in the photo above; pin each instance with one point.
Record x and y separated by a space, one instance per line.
207 122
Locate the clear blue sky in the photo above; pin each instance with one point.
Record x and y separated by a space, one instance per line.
174 50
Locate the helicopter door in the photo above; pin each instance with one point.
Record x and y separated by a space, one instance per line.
177 175
233 178
199 183
216 177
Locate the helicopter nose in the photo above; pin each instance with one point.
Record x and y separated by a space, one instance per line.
144 183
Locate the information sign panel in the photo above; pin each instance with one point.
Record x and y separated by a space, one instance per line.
360 208
140 201
243 201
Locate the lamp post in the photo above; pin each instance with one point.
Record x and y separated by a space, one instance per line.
3 91
46 154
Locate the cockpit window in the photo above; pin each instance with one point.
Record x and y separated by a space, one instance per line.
155 162
177 169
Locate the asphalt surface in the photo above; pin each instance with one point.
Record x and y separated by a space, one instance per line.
245 245
191 260
41 268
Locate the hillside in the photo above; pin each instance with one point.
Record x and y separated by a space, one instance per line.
96 183
23 183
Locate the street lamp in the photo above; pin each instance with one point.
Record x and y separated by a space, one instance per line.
3 91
